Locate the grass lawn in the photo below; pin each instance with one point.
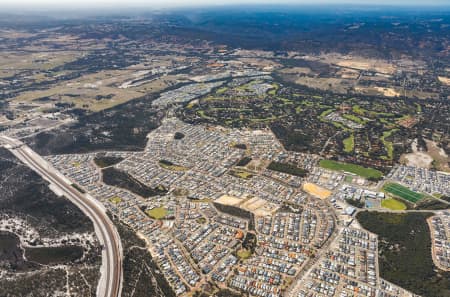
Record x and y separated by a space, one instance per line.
274 89
191 104
221 90
353 168
359 110
387 144
326 112
354 118
241 174
202 114
348 179
393 204
157 213
349 143
403 192
170 166
115 200
244 253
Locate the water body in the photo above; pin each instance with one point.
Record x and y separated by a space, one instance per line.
12 255
54 255
9 247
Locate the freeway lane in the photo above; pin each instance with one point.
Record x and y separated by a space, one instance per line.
110 282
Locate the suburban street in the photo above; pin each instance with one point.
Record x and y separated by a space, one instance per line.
110 282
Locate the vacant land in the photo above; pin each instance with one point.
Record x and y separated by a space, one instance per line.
369 173
393 204
124 127
244 161
171 166
118 178
105 161
237 212
241 174
405 252
229 200
403 192
287 168
316 191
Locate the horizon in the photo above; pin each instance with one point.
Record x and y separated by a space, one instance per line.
111 6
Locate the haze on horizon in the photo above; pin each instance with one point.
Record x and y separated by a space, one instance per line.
27 5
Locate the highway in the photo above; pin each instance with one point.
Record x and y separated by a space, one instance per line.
110 283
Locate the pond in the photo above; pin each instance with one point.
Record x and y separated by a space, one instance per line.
54 255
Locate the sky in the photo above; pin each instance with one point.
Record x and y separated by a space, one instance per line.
158 4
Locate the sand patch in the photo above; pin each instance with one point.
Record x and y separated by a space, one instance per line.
439 155
418 159
296 70
388 92
316 190
444 80
259 207
229 200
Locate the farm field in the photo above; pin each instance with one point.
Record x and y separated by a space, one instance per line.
352 168
403 192
393 204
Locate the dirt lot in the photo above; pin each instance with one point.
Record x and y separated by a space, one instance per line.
439 155
316 191
444 80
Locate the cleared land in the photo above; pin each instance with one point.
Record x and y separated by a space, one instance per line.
229 200
255 205
316 191
352 168
403 192
393 204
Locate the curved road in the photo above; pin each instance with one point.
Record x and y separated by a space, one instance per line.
110 283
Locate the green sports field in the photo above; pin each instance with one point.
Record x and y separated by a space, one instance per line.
157 213
353 168
403 192
393 204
